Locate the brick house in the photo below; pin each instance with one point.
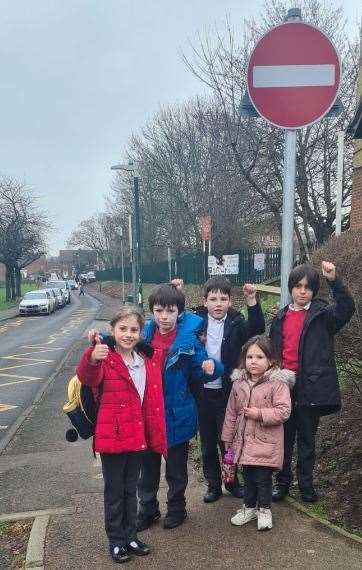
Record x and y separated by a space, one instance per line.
355 128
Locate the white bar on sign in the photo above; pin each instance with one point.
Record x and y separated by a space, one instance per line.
293 75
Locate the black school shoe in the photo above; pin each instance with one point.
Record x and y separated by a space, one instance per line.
309 495
212 495
280 492
173 520
235 490
145 520
120 554
138 547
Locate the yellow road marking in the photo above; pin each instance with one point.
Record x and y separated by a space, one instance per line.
37 352
7 407
26 364
26 359
19 381
19 376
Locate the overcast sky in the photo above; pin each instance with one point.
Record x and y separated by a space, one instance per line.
79 76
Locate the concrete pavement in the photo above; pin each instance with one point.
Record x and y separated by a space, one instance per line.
39 470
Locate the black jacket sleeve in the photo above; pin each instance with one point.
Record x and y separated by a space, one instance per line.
255 323
343 307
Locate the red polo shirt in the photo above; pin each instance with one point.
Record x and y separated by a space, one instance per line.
291 331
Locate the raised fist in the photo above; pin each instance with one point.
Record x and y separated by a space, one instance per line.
178 283
329 270
249 291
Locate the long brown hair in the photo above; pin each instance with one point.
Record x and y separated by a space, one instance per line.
265 344
128 311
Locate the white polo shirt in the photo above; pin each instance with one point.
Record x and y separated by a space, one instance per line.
214 338
137 371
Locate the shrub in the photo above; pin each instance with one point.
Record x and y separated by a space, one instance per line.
346 253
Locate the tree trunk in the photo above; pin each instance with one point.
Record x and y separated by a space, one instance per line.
18 282
7 283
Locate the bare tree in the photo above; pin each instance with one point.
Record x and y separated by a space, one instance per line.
22 229
220 62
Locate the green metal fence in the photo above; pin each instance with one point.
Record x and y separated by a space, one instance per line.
191 268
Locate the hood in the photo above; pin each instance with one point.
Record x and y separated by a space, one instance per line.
282 374
27 302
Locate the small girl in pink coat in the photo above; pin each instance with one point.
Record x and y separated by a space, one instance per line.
259 404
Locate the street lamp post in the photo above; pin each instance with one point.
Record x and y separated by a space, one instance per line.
122 264
138 296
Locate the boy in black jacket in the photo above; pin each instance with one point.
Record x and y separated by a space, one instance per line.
225 331
303 336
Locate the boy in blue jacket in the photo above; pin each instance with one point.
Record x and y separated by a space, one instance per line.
173 334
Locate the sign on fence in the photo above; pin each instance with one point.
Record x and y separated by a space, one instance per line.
205 228
259 261
223 265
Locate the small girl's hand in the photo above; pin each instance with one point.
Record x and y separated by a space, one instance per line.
100 351
208 367
252 413
92 335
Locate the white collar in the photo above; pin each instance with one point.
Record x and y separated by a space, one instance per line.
219 321
137 361
305 308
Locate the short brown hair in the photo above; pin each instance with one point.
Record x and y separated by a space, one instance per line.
307 271
217 283
125 312
265 344
167 295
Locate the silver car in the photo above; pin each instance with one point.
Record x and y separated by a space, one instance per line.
37 302
60 284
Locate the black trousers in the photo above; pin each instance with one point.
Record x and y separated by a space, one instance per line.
211 406
120 474
176 477
258 486
302 425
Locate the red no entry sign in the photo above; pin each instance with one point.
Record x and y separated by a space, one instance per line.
294 75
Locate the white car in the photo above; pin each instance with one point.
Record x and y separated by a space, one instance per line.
60 284
37 302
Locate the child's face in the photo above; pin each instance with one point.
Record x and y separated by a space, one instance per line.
126 333
217 304
165 317
302 294
256 362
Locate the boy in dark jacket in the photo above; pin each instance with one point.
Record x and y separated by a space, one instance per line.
303 336
173 334
225 331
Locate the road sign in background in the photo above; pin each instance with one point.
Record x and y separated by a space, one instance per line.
205 228
224 265
293 75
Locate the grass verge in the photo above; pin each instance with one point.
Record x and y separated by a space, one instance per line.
14 538
25 287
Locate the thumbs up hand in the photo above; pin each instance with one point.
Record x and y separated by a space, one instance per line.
100 351
208 367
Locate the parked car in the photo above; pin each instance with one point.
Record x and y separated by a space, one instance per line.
61 297
53 297
73 284
37 302
63 285
91 276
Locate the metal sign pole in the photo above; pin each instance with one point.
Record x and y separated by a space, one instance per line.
288 213
339 186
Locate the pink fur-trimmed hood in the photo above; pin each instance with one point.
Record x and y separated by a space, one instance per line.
282 374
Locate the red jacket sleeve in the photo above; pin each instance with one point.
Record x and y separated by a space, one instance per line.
87 372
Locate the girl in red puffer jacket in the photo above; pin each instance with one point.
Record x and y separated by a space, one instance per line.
130 420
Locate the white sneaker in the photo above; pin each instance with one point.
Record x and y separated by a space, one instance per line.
243 516
265 519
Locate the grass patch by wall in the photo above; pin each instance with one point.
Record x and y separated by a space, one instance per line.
25 287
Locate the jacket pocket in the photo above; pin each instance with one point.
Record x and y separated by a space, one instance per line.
269 435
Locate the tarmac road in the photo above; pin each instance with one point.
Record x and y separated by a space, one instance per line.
31 348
